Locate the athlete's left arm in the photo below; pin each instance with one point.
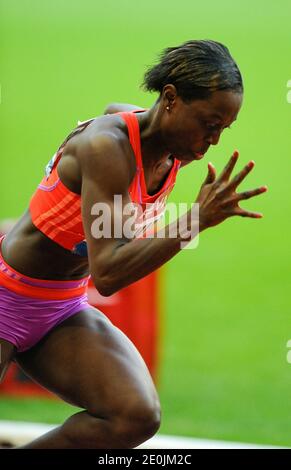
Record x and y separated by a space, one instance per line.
120 107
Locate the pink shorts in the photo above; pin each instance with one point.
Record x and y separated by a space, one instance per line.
30 307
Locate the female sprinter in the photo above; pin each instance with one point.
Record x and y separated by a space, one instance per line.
46 324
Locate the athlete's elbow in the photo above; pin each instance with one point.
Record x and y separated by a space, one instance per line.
106 291
105 287
106 277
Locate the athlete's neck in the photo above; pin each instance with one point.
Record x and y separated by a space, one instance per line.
153 148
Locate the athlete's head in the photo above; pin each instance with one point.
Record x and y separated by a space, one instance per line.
201 91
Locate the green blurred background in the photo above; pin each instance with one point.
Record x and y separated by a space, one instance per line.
223 371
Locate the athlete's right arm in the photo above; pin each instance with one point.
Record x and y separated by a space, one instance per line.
115 261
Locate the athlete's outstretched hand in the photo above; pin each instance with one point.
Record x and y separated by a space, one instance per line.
218 198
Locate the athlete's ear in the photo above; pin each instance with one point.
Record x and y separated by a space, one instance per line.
169 96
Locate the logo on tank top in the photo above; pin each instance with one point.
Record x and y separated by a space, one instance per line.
80 248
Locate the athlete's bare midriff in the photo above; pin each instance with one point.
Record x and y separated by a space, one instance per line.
27 250
30 252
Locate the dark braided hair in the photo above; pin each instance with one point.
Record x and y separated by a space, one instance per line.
196 68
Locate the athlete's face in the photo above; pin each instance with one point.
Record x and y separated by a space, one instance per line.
190 128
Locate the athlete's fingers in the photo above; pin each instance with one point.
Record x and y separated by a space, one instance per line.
240 176
245 195
210 178
251 193
242 213
227 170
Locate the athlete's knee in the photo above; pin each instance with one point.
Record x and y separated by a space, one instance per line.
127 429
137 422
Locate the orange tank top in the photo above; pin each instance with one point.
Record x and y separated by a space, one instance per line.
56 211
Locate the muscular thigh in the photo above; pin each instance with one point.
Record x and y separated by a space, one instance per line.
91 364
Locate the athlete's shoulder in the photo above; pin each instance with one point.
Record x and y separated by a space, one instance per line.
105 145
108 130
109 126
121 107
